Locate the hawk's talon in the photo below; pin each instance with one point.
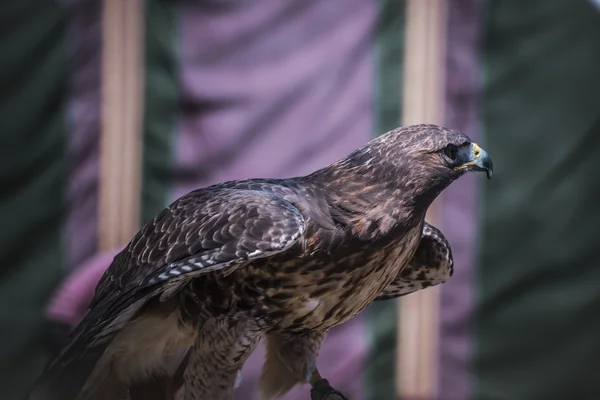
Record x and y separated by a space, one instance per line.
321 390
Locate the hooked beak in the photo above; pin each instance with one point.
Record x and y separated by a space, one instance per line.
474 158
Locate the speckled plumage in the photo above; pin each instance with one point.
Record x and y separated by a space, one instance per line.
431 265
280 259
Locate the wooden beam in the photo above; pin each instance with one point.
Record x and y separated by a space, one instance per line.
423 102
122 106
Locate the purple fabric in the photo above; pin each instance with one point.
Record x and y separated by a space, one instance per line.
459 204
84 132
72 298
272 88
277 88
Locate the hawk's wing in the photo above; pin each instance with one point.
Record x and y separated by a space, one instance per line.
206 230
431 265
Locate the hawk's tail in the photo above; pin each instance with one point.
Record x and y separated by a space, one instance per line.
68 382
66 375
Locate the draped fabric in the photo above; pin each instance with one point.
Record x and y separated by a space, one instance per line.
33 181
537 315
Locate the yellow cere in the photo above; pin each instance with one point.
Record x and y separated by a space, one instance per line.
476 151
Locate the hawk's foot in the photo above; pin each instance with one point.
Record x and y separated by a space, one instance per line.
321 390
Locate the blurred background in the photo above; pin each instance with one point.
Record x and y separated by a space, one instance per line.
111 109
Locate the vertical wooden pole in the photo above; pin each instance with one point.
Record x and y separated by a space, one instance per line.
122 106
423 102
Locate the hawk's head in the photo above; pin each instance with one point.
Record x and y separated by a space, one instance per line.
437 151
419 161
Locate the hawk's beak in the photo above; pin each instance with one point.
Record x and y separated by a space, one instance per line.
475 158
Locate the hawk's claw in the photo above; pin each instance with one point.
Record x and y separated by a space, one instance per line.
321 390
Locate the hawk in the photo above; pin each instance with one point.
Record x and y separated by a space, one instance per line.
283 260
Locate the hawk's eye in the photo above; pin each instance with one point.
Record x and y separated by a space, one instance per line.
451 151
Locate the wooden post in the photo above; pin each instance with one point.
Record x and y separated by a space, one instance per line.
122 107
423 102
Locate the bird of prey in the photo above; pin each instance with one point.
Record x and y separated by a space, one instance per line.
283 260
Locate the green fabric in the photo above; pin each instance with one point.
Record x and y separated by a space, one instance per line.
380 372
538 312
161 105
33 78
